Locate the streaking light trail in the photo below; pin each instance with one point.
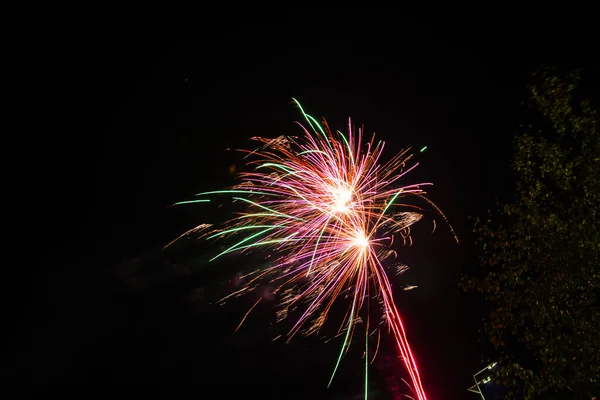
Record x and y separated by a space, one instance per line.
327 210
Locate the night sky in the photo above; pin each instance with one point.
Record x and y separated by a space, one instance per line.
143 119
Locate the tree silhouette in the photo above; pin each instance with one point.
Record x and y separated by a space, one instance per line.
541 251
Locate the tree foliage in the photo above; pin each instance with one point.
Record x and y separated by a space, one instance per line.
541 252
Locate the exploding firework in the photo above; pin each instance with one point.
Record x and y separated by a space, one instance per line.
328 211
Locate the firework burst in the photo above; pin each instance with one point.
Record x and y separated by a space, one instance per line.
328 210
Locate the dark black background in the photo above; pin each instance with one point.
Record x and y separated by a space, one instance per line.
140 117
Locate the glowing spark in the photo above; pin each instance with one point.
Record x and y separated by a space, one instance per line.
342 197
361 241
